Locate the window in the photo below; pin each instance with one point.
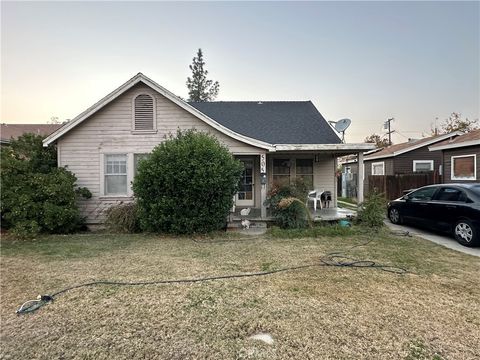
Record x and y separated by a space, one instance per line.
423 194
281 171
116 174
143 113
464 167
304 171
422 165
136 160
378 168
451 194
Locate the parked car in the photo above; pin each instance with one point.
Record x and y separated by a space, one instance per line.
454 208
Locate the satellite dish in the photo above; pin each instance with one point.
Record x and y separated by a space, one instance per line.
340 126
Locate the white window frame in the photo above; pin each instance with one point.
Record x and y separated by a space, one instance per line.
152 131
415 162
452 173
130 165
383 167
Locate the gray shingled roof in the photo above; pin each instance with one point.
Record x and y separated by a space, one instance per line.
275 122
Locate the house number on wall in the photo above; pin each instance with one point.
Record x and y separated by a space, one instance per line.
263 163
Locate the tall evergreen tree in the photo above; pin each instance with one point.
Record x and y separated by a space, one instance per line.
199 87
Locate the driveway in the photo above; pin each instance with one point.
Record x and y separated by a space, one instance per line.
444 240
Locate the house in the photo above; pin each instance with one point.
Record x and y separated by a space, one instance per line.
460 157
276 141
13 131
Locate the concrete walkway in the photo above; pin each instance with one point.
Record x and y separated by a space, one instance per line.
447 241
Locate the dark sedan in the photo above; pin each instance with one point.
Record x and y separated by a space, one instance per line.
454 208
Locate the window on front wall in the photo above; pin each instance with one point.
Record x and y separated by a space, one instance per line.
464 167
281 171
143 116
422 165
304 171
115 174
378 168
136 160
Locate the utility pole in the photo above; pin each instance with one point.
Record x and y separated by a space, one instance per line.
386 125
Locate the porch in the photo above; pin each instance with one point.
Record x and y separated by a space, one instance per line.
325 214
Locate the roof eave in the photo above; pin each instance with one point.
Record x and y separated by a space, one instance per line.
454 145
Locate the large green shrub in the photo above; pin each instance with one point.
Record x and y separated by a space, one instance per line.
372 211
287 205
186 185
36 196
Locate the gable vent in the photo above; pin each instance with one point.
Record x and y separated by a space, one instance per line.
144 112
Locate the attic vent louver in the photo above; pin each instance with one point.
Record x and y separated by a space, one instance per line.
144 112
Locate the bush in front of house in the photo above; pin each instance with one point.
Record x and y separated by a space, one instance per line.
123 218
36 196
287 205
186 185
372 211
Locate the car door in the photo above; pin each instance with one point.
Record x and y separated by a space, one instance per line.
417 205
448 205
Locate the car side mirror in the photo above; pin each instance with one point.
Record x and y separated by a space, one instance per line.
406 198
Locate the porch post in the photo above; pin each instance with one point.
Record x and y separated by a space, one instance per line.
263 181
361 174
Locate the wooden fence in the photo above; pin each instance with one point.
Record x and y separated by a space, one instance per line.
393 186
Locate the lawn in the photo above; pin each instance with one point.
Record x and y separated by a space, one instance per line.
322 312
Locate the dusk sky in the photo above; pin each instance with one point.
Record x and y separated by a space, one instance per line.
366 61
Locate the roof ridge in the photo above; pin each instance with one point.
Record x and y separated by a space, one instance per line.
252 101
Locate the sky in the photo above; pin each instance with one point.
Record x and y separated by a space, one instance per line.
366 61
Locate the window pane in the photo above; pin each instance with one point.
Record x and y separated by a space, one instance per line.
116 164
307 180
281 180
304 166
115 184
423 166
463 167
423 194
136 160
281 166
449 194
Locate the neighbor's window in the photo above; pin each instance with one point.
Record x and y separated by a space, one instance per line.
378 168
281 171
144 117
136 160
464 167
422 165
116 174
304 170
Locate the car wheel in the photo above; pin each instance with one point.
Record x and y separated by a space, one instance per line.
465 233
394 216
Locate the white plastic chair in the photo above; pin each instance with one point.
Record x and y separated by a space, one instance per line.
315 195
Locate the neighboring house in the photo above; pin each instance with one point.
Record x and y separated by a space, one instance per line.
276 141
460 157
13 131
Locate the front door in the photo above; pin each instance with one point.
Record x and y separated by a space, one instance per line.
245 194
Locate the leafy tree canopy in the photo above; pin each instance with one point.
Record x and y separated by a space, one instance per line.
455 122
377 140
199 87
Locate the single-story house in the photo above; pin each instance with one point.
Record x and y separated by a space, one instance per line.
406 158
460 157
13 131
276 141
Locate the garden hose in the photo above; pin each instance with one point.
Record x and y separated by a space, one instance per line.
336 259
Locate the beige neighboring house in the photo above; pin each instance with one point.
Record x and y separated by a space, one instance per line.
460 158
13 131
276 141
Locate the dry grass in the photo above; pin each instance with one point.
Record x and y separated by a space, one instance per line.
316 313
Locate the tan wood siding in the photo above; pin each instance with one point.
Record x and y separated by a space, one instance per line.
447 168
110 130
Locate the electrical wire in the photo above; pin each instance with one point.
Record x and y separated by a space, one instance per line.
335 259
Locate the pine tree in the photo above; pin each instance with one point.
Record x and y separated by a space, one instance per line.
199 88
